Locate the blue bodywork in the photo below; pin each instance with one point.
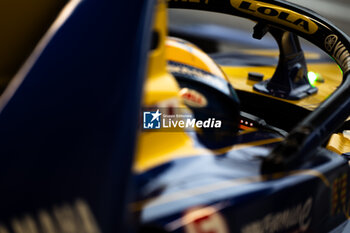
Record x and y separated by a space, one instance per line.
68 120
314 198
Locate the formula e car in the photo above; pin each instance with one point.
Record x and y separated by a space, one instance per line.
231 142
278 160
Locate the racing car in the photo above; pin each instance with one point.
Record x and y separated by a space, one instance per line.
278 162
264 149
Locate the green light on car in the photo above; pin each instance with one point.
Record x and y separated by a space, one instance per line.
312 76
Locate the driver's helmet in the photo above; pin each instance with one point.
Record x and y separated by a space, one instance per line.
205 89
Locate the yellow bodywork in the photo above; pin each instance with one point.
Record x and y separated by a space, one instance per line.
161 90
238 77
160 85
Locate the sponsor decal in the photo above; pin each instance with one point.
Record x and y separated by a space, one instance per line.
297 216
339 53
62 219
204 220
193 98
339 195
178 121
330 41
276 14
